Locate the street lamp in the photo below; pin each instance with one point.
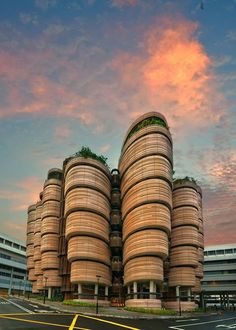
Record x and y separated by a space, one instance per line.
98 278
44 295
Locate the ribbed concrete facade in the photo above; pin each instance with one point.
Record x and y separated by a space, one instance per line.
131 235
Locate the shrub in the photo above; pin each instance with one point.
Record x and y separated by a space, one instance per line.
156 311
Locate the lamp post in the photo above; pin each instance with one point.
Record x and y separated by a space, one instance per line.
44 295
98 278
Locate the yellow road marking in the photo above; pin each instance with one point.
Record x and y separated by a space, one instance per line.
73 322
110 322
39 322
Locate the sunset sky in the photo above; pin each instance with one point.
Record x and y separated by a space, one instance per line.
78 72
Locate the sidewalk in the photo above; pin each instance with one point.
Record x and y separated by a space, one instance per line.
106 311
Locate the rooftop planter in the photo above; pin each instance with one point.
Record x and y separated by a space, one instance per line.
87 153
147 122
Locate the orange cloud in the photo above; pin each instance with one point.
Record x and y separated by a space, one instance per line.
22 193
172 75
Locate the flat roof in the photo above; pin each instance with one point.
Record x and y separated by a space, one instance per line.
12 239
220 247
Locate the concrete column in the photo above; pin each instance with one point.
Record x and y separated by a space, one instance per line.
177 292
151 290
189 294
96 291
135 288
128 289
11 280
106 292
50 293
79 290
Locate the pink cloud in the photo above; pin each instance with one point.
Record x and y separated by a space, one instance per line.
22 193
62 132
104 148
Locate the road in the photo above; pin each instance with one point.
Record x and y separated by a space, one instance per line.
20 314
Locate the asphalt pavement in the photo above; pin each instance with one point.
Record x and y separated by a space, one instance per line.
19 314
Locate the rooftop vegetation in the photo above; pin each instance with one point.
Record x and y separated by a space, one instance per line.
147 122
185 179
87 153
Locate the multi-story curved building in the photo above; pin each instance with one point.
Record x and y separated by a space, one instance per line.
184 243
50 230
87 191
128 234
146 192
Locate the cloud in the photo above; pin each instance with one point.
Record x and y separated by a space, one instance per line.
104 148
122 3
22 193
27 18
173 75
231 35
62 132
45 4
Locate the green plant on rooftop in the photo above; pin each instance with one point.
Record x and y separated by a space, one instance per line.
147 122
184 180
87 153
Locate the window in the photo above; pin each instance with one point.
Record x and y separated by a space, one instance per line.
16 246
211 253
227 251
4 256
220 252
1 240
23 248
9 243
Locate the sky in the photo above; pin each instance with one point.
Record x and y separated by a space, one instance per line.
76 73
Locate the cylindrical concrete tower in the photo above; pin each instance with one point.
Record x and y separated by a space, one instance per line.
50 230
146 192
30 244
184 243
199 270
37 246
87 192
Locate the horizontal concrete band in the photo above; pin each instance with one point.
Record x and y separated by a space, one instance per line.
143 180
143 268
147 216
52 182
86 197
89 176
146 242
185 215
82 223
53 278
50 242
86 271
81 161
50 225
151 129
85 185
184 256
154 201
89 248
181 276
150 154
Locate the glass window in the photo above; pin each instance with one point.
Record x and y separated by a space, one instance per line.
211 253
9 243
219 252
16 246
